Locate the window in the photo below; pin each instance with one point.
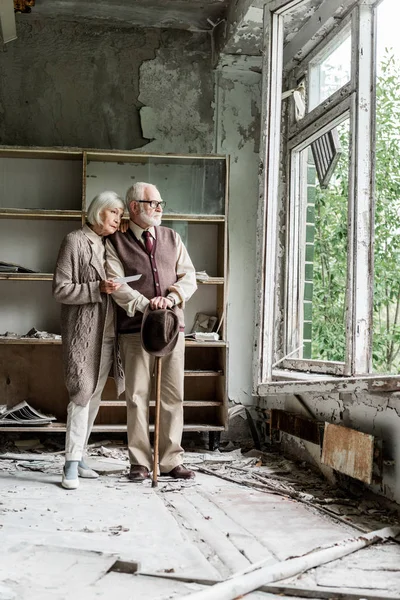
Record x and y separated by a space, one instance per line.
330 70
317 270
325 325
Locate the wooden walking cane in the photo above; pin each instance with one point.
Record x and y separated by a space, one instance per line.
156 421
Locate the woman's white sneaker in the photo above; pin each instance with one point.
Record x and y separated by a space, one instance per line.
87 473
69 484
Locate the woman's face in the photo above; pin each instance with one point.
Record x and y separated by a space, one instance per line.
111 218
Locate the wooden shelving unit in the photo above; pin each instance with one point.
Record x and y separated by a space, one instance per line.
45 194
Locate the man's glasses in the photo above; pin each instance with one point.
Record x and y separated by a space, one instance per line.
153 203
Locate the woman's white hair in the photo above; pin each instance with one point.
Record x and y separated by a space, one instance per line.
137 192
101 202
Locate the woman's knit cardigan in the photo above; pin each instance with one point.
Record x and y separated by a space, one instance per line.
76 285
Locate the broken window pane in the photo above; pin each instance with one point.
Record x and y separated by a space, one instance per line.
330 70
386 328
317 280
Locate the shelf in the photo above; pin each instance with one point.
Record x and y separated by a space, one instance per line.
44 342
38 213
193 218
27 276
186 403
45 153
201 344
200 373
49 277
211 281
118 155
194 183
29 341
61 428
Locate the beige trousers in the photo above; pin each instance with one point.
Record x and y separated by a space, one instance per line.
81 418
139 376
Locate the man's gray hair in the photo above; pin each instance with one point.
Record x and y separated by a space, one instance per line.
101 202
137 192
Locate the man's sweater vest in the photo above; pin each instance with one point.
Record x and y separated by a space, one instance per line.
158 270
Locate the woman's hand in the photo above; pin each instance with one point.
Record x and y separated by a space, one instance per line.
108 287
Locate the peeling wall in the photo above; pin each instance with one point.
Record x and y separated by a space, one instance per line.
73 84
93 85
177 97
238 100
377 414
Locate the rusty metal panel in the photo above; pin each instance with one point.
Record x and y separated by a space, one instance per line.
294 424
348 451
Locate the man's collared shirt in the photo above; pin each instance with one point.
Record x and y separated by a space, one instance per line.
131 300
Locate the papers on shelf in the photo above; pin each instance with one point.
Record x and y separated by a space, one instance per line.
23 414
202 276
127 279
200 336
6 267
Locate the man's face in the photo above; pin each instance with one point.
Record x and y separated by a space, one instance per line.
148 211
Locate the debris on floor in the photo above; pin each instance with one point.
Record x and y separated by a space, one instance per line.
243 509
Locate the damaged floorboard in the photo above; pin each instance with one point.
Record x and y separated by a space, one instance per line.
184 535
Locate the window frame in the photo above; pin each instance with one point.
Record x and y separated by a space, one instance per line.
333 41
293 302
357 98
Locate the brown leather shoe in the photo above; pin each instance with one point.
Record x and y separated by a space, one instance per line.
180 472
138 473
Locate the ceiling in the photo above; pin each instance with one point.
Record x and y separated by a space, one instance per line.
239 21
175 14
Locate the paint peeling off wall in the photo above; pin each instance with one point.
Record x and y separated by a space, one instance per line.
238 98
68 84
377 415
74 84
246 37
177 94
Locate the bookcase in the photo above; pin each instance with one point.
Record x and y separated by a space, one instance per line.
44 194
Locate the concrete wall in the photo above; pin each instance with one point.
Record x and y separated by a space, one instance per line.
71 84
238 99
377 414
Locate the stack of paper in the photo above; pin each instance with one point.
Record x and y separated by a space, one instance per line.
200 336
23 414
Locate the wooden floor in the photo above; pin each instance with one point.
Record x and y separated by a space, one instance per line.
62 544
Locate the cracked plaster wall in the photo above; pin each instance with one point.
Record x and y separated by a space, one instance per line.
73 84
238 100
377 414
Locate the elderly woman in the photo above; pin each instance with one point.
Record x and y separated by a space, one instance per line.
87 327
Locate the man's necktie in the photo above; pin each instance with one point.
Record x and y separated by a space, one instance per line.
148 241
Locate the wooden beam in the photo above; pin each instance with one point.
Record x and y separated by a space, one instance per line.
362 175
267 217
315 384
322 592
239 585
313 366
283 589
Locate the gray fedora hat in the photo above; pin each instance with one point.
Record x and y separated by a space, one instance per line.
160 331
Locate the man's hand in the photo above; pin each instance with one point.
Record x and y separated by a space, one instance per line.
160 302
108 287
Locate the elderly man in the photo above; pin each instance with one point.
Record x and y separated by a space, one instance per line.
167 281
